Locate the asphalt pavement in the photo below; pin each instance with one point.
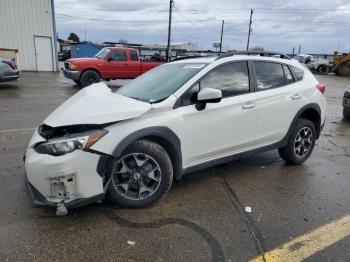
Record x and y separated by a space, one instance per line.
203 218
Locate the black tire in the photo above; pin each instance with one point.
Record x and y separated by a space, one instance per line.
343 69
89 77
289 153
322 69
346 114
126 197
77 82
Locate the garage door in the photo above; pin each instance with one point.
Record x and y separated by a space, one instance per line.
43 53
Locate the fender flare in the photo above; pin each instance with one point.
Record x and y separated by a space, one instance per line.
162 135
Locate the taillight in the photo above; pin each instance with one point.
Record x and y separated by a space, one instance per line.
11 64
321 87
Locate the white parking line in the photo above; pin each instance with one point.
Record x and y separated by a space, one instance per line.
16 130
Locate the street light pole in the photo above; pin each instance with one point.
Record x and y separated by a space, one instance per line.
168 50
222 32
250 28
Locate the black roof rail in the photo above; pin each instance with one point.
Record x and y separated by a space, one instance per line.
257 53
187 57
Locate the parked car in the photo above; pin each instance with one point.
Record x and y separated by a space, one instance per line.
129 145
8 70
109 63
319 65
346 104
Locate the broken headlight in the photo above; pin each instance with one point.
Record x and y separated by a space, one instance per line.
68 144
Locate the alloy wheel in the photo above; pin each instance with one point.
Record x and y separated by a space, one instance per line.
303 142
136 176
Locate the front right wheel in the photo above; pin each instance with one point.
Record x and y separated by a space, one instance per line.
301 143
141 176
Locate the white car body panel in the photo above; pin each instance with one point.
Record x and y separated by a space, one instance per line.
96 104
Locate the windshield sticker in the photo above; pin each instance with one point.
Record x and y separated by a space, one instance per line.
194 66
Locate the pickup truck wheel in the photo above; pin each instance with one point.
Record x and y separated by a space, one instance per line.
301 142
322 69
141 176
89 77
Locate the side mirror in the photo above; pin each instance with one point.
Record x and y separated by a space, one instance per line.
109 59
208 95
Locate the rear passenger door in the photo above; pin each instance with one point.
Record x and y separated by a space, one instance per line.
279 96
134 65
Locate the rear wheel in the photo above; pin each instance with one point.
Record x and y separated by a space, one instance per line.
89 77
343 69
141 176
322 69
301 143
346 114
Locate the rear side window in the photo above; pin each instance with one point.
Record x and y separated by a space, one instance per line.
299 74
288 75
134 56
269 75
232 79
118 55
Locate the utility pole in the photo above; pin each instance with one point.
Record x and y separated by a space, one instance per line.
250 28
85 33
299 49
293 50
222 32
168 50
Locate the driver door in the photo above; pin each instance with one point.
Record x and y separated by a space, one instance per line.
117 65
222 128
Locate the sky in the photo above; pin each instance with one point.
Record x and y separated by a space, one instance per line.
318 26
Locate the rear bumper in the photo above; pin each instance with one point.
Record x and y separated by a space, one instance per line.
74 75
10 75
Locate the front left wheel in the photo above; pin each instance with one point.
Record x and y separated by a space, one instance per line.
141 176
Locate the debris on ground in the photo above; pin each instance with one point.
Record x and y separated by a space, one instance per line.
248 209
131 243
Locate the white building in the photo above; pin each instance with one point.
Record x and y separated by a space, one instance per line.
27 29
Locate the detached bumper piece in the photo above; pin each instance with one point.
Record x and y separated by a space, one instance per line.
59 188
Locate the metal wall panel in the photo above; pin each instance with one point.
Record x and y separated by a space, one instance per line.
20 21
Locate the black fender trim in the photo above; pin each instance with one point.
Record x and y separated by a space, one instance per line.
163 135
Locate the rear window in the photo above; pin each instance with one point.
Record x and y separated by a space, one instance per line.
269 75
134 56
299 74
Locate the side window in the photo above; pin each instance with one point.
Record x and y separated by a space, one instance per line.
134 56
269 75
288 75
119 55
232 79
299 74
190 97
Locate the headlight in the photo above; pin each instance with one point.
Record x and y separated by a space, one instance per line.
72 66
68 144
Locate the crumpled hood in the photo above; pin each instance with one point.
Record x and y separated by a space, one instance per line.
96 104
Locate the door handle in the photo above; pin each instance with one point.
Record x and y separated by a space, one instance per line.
248 105
296 96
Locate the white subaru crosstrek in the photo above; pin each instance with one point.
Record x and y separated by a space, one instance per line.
190 114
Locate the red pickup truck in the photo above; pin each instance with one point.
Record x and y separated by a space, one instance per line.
109 63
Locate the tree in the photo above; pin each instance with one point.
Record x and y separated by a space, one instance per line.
74 37
123 41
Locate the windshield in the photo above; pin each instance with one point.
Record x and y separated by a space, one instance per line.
159 83
103 53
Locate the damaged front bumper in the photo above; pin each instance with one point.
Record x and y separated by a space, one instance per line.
70 179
